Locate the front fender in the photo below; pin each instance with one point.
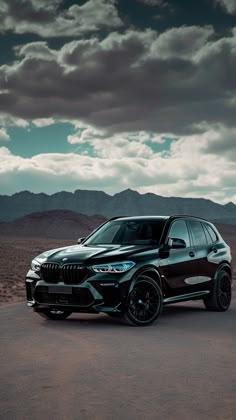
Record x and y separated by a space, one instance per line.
224 266
148 270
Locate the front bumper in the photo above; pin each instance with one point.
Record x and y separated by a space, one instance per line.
98 293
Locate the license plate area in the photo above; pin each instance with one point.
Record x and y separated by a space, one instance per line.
60 290
63 299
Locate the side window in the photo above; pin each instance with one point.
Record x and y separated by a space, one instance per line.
211 232
199 237
208 236
179 230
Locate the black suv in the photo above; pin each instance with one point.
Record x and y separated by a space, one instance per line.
130 267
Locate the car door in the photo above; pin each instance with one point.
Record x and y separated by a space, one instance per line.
203 239
180 265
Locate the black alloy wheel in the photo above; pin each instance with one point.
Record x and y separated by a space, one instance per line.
220 298
54 314
144 303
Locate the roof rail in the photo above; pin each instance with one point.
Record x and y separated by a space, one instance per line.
178 216
116 217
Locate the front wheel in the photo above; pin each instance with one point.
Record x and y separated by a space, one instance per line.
220 298
144 302
54 314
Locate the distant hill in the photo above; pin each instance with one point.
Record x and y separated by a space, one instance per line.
57 224
127 202
65 224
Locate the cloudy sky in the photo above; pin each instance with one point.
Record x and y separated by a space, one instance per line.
116 94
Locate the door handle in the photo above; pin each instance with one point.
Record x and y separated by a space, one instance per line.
191 254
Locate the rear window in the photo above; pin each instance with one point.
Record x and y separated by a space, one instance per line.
210 233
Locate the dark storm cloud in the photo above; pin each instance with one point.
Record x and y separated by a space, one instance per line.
28 11
126 82
48 19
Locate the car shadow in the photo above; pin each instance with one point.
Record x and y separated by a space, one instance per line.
181 308
175 311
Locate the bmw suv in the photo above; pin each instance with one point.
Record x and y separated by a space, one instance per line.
130 267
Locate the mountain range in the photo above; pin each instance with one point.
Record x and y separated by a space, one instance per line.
127 202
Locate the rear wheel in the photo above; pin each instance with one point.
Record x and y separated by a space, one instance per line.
54 314
144 303
220 298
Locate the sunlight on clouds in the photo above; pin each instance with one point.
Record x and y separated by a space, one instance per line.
119 145
43 122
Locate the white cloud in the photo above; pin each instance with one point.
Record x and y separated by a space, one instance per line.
7 120
118 145
193 167
120 148
43 122
3 134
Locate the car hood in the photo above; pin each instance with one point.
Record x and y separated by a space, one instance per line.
99 253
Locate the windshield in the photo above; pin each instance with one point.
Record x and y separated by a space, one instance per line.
128 232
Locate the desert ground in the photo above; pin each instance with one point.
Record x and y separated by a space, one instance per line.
15 258
16 254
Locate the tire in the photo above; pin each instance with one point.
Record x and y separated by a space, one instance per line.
220 298
54 314
144 302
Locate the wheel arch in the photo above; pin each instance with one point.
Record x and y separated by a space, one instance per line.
150 271
224 266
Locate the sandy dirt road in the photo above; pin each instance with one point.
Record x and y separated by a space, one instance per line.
93 367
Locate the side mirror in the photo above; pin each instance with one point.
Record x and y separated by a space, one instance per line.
80 240
176 243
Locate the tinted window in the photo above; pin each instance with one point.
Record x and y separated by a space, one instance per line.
128 232
212 233
179 230
199 237
208 236
109 233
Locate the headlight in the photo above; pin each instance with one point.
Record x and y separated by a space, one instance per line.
118 267
37 261
35 265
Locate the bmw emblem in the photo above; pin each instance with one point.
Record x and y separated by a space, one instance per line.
64 259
